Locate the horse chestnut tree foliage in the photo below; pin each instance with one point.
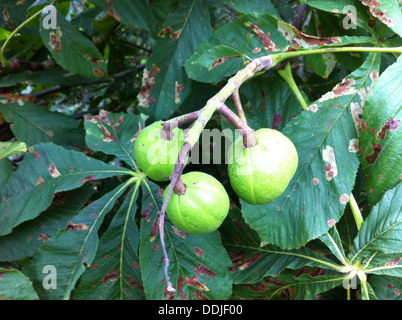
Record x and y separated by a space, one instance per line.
200 149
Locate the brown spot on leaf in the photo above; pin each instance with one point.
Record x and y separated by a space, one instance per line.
155 227
53 171
341 89
331 222
371 159
178 88
134 283
175 35
193 281
251 261
331 169
393 262
42 237
267 43
78 226
313 107
219 61
164 31
36 154
110 11
277 119
353 145
200 269
7 19
112 276
40 181
180 284
145 213
199 252
389 125
380 14
55 40
88 178
315 181
344 198
148 80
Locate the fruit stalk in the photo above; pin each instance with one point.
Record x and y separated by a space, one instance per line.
249 138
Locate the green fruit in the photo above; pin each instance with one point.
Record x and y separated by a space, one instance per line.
202 208
156 155
260 174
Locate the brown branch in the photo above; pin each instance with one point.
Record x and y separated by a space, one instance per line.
17 65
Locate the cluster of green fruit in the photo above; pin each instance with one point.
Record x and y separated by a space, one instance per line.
258 175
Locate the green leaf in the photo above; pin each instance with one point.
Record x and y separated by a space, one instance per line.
32 124
114 134
199 265
253 260
380 139
253 7
380 237
46 170
165 84
286 286
8 149
333 241
115 273
71 49
354 11
6 168
385 287
28 236
71 249
269 35
137 14
14 285
325 137
388 12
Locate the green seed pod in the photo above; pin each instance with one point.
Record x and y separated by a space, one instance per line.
155 154
203 206
260 174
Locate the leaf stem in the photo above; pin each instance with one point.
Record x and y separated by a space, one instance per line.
356 211
279 57
286 74
3 59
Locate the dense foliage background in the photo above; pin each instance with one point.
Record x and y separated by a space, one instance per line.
74 224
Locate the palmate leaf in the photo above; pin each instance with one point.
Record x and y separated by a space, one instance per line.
47 169
380 140
115 273
165 84
254 36
380 237
71 49
253 260
32 124
14 285
199 265
28 236
70 249
287 286
114 134
325 137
